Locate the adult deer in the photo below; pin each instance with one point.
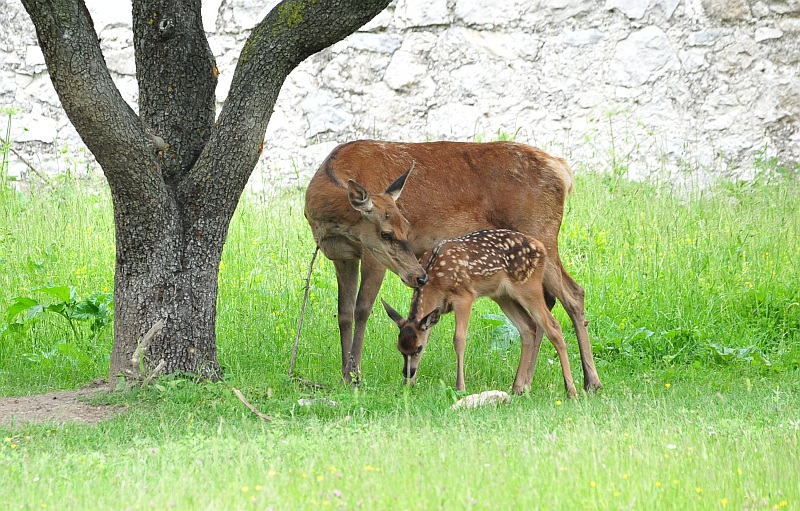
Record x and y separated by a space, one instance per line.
455 188
506 266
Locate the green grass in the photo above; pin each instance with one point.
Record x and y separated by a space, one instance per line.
692 298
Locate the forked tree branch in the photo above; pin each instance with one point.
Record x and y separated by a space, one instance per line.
290 33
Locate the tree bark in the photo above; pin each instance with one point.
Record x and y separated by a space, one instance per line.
175 174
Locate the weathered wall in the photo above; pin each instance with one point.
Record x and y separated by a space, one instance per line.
651 85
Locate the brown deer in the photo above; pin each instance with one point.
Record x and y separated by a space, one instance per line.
504 265
455 188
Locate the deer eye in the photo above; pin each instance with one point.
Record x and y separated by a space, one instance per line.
387 236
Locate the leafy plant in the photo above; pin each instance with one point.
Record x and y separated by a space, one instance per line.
5 148
503 332
94 310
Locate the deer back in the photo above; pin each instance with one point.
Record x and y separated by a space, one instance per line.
455 188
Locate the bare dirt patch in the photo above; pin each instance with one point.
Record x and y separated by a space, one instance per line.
58 407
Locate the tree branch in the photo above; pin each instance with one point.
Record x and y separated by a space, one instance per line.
177 79
94 105
290 33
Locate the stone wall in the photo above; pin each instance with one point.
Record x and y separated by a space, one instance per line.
640 86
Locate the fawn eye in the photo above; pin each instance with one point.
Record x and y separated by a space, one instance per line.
387 236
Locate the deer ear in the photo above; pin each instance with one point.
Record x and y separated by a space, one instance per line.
359 197
431 319
396 188
396 317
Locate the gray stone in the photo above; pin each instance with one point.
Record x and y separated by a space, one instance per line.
766 33
325 112
422 13
726 9
121 61
669 6
380 22
791 7
34 58
583 37
37 128
642 57
790 25
109 14
693 60
376 43
497 45
562 10
489 13
408 67
40 89
759 10
708 37
454 120
210 14
633 9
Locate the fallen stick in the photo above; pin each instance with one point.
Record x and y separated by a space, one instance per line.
249 406
136 359
309 383
155 372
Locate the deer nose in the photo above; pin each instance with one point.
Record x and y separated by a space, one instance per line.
409 373
421 281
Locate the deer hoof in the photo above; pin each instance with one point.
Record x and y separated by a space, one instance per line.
592 386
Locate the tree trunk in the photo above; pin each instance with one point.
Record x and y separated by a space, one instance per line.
175 173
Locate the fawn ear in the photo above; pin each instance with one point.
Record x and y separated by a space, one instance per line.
431 319
396 317
396 188
359 197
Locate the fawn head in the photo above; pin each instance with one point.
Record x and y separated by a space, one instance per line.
413 337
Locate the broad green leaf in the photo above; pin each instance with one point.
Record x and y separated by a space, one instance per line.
21 303
64 293
494 319
87 310
35 311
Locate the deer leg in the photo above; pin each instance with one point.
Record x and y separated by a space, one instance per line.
571 295
533 299
529 335
550 301
372 273
462 310
537 344
347 280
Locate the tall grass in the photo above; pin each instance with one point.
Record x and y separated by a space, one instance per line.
694 317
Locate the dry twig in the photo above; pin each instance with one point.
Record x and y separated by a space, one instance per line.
136 359
155 373
27 163
249 406
302 313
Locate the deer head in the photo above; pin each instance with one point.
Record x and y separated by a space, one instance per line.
413 338
384 230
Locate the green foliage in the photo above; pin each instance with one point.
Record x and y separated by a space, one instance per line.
94 310
5 148
694 318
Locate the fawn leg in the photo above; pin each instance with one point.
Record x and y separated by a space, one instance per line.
462 309
532 298
527 331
